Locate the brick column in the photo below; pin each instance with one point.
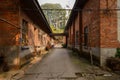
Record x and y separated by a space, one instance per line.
70 36
73 33
66 39
80 30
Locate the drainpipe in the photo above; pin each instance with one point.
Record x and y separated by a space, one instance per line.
70 41
20 40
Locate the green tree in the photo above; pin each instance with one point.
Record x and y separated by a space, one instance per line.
55 15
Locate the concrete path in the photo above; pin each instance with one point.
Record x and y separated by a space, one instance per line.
62 64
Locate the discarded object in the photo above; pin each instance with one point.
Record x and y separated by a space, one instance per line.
78 74
107 75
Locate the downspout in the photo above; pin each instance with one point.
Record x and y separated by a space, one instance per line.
71 36
20 40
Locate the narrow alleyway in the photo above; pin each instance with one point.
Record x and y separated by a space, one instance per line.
63 64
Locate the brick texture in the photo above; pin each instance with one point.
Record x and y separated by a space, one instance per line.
77 30
11 18
8 31
91 20
108 24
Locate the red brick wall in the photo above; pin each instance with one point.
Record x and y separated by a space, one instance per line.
33 31
77 29
72 32
36 39
108 25
30 34
64 40
72 41
9 35
91 20
9 31
69 36
77 23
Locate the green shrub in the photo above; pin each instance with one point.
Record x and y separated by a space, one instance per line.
118 53
64 45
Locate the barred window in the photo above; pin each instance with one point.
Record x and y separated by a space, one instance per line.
24 32
86 36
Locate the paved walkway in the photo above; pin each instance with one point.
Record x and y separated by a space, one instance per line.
61 64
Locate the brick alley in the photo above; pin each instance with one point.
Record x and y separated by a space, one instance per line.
45 41
63 64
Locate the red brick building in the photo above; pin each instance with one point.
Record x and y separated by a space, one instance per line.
23 28
93 27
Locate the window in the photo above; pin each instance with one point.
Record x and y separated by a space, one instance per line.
86 36
35 28
24 32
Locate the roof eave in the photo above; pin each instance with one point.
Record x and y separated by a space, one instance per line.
77 6
28 6
42 14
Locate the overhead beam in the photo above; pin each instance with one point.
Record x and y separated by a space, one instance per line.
58 34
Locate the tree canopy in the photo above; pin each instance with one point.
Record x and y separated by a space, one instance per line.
55 15
51 6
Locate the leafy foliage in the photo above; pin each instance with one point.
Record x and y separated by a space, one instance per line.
118 53
56 16
51 6
57 30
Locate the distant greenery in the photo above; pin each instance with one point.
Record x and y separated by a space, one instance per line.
118 53
51 6
64 45
56 30
56 16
